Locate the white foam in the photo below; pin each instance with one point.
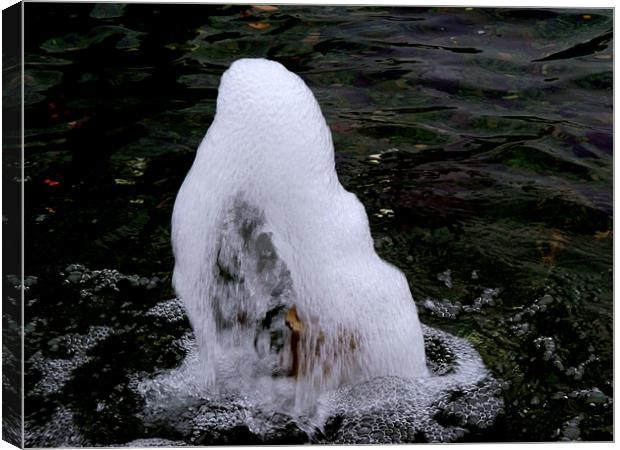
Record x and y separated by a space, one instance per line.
270 153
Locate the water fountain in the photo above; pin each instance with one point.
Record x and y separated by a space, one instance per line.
301 332
274 258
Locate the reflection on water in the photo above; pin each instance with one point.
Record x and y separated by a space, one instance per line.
479 141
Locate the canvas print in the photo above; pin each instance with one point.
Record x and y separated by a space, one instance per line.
307 224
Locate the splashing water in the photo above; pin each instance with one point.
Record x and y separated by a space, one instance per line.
458 397
274 258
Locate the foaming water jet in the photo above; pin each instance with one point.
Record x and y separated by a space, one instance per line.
273 257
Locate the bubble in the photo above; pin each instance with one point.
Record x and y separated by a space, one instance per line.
171 311
56 372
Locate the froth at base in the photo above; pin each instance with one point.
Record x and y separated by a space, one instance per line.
458 397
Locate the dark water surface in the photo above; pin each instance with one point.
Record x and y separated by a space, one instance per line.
479 140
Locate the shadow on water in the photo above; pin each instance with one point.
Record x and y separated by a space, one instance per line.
479 140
